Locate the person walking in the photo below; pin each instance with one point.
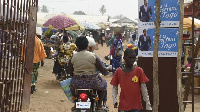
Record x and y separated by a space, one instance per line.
116 52
108 37
39 55
102 37
132 81
94 35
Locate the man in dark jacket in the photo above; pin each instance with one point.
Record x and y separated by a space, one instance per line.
94 35
144 43
145 13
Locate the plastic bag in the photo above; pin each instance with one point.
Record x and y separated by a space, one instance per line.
65 84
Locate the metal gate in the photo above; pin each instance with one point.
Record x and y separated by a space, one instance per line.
17 34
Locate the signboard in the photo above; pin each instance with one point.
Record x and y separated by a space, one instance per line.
168 42
169 32
169 16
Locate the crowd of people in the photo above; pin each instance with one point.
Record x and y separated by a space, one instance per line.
76 57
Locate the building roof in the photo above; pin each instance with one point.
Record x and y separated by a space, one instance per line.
43 17
90 18
189 7
124 20
188 1
113 20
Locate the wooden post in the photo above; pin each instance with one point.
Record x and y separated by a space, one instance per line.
155 59
29 58
179 75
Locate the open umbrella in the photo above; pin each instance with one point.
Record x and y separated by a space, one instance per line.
73 34
78 25
187 24
89 25
60 22
102 25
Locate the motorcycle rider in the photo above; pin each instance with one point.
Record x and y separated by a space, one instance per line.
82 66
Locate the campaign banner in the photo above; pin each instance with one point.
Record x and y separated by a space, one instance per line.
168 42
169 13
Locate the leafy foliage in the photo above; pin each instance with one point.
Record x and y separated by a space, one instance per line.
44 9
102 10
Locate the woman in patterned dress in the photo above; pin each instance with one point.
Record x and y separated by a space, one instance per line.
116 47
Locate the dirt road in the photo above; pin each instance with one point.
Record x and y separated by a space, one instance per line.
49 96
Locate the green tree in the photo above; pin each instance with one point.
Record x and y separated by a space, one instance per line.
102 10
44 9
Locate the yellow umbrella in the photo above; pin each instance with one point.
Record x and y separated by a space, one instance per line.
102 25
78 26
187 24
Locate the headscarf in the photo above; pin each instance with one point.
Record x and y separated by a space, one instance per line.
120 36
112 51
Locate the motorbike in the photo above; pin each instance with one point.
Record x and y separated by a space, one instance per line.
86 100
60 71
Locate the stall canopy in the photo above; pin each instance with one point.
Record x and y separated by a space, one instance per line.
78 26
89 25
187 23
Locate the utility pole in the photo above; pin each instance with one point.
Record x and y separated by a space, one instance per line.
179 75
155 59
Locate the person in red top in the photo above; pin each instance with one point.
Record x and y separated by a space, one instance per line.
132 81
189 59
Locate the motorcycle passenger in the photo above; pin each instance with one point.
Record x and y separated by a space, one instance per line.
82 66
65 50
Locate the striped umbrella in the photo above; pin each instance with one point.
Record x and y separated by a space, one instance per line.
60 22
187 24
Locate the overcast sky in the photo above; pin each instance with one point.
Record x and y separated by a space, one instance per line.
127 8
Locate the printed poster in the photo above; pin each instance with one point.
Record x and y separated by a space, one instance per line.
168 42
170 13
